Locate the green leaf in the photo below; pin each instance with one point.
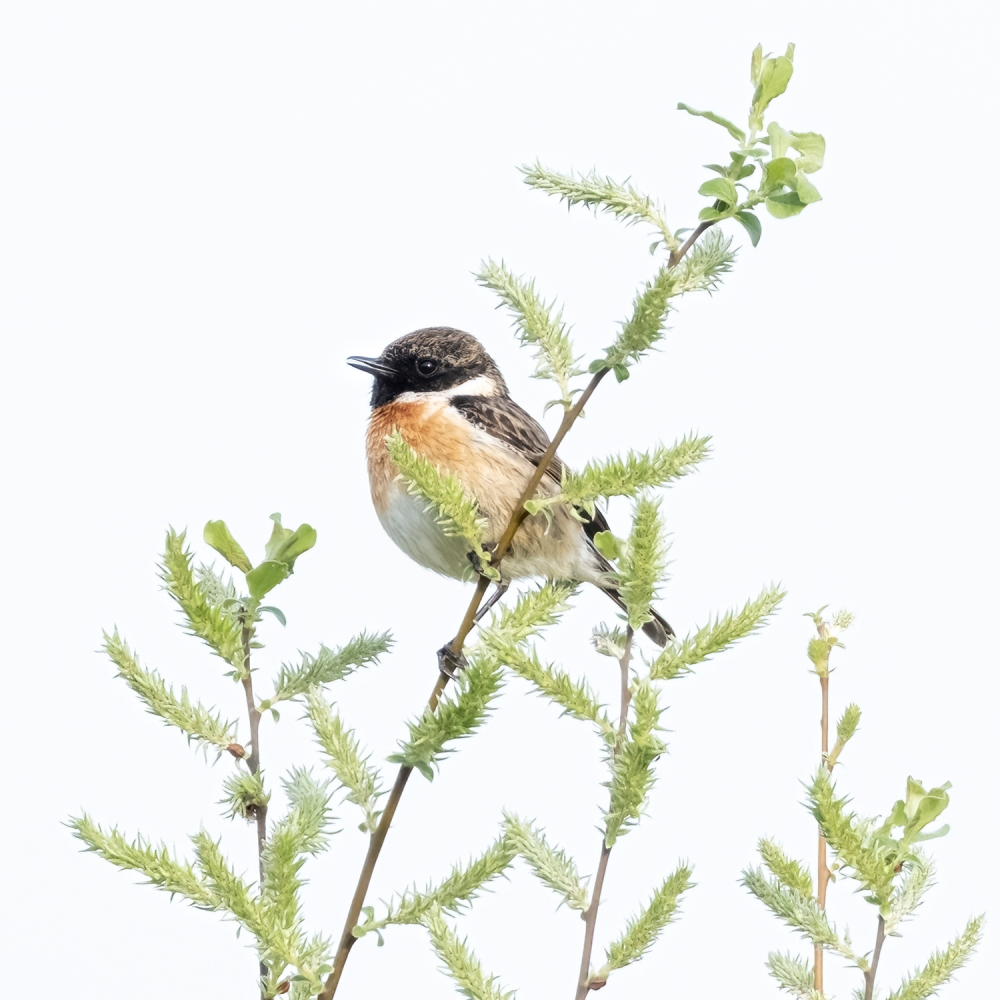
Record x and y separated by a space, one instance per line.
774 76
751 224
606 543
919 809
784 206
286 545
720 187
219 537
709 214
806 190
266 577
737 133
755 65
779 139
277 612
812 146
780 170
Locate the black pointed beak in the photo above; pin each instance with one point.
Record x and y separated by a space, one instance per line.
372 366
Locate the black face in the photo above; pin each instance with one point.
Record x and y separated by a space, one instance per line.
430 360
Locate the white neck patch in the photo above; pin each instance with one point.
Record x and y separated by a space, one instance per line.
481 385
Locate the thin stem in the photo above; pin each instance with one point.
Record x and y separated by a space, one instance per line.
253 761
677 255
375 843
456 646
822 868
585 984
871 970
626 691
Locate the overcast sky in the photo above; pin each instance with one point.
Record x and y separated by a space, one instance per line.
207 206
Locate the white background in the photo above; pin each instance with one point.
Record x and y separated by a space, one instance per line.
207 206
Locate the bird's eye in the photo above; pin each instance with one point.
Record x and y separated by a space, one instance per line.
427 366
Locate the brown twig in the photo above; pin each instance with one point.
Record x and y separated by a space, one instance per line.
585 984
253 761
456 645
677 255
873 968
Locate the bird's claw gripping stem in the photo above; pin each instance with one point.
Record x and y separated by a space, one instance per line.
450 663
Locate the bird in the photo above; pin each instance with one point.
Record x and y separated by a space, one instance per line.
445 395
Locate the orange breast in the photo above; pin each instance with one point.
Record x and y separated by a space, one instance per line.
426 428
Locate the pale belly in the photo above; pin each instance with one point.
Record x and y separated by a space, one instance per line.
557 550
415 530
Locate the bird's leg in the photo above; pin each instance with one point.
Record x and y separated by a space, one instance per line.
477 563
501 589
450 663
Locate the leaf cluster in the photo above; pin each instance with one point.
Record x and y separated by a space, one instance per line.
625 476
784 186
718 635
632 763
701 270
536 325
201 725
460 963
455 892
282 549
866 849
642 930
206 621
327 666
552 866
344 757
882 856
602 194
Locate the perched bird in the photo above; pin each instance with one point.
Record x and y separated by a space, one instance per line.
445 395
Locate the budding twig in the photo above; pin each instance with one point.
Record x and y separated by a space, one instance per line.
456 646
584 983
253 761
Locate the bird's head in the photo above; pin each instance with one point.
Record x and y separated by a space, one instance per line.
436 360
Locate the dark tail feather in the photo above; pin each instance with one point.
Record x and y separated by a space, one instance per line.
658 630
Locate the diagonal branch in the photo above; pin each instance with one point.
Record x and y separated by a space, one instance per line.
454 649
584 983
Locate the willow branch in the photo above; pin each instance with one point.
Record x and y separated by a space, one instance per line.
873 968
585 984
455 646
253 761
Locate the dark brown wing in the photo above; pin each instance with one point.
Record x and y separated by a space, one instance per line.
502 418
